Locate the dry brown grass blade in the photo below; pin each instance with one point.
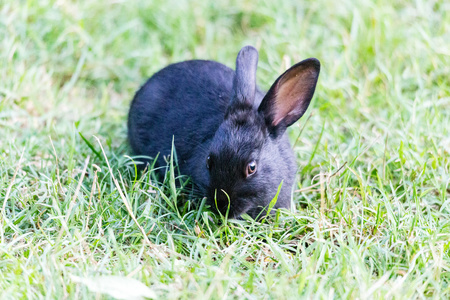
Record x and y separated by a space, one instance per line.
324 177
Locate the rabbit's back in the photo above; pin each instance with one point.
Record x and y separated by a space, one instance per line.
185 102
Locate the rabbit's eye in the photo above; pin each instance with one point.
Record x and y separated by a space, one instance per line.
208 162
251 168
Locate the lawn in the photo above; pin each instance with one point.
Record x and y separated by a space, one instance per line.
372 196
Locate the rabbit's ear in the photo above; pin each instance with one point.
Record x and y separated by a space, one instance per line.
290 95
244 82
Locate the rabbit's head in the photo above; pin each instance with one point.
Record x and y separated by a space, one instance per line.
250 157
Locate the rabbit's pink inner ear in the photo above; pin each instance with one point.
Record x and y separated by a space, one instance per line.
293 92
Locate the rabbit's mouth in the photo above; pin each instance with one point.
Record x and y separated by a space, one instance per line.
233 211
235 207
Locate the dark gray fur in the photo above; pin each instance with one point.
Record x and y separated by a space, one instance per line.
210 110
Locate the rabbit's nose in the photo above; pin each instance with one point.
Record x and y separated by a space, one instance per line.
224 194
222 197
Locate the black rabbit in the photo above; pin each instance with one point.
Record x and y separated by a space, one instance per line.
228 135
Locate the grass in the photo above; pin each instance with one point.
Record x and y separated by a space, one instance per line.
372 196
